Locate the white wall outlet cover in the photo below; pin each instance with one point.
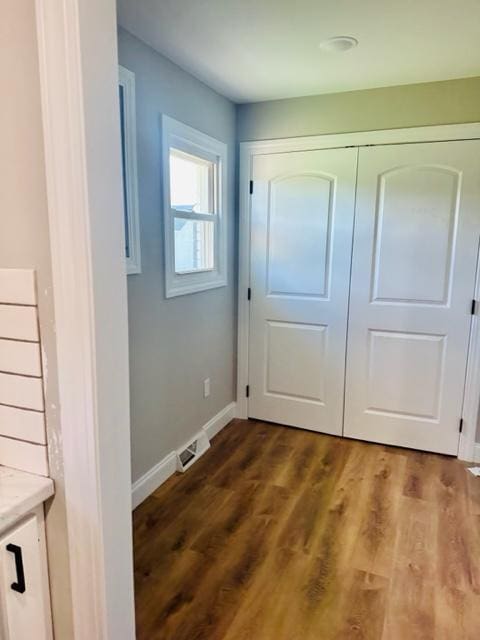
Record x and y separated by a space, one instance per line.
206 387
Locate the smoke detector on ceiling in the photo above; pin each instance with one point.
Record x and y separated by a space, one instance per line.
338 44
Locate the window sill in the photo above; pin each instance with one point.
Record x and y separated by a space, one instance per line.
178 289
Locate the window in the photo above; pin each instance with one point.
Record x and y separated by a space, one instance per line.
129 169
194 181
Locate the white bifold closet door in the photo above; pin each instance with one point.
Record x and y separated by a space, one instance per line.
413 273
301 240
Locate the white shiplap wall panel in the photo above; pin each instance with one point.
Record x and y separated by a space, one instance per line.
20 391
18 322
23 442
20 357
24 456
22 424
17 286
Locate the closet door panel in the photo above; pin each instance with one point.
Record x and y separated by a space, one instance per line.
302 226
413 272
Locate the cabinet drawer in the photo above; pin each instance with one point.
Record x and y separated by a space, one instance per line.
24 582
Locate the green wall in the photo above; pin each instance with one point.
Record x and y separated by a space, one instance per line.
448 102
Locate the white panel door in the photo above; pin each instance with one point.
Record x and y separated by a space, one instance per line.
413 272
301 240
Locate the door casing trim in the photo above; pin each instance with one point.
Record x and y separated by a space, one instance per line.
248 150
78 66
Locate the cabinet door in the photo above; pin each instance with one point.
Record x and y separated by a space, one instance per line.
25 607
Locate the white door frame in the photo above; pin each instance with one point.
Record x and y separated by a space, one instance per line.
79 86
248 150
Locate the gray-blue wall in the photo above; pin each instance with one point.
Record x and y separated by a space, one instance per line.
176 343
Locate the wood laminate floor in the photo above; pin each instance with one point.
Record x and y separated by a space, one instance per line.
283 534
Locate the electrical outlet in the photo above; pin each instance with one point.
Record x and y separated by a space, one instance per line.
206 387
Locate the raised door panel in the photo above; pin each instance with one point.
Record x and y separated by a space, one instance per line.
299 235
405 371
295 358
415 226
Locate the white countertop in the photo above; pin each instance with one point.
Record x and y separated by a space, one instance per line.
21 492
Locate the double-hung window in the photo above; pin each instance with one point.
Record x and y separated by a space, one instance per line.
194 184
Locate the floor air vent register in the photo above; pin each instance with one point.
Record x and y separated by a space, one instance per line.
191 452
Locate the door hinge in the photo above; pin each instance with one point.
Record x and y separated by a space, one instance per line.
251 187
249 294
247 390
460 426
473 309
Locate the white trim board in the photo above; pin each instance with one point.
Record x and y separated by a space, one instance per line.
22 424
248 150
25 456
157 475
132 215
476 452
220 420
19 322
17 286
78 66
435 133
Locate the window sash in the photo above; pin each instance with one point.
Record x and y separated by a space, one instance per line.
214 247
196 155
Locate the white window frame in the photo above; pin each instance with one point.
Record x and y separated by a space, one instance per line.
180 136
126 79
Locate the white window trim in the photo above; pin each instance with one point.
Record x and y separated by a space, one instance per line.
181 136
126 79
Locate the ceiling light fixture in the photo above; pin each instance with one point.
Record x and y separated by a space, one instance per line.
338 44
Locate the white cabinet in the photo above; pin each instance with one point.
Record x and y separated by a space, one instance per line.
24 591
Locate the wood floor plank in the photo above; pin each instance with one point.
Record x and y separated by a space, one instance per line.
458 553
411 596
365 598
419 479
376 542
284 534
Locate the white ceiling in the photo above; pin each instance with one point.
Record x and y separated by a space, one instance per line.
252 50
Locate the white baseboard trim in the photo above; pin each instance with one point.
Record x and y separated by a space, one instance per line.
476 452
218 422
158 474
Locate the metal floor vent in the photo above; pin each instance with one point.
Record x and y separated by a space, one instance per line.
190 453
